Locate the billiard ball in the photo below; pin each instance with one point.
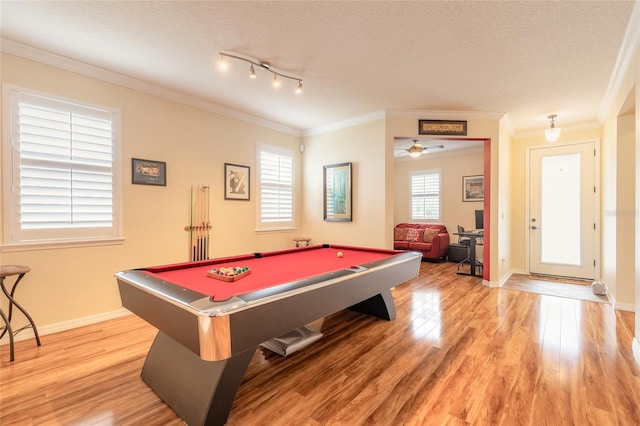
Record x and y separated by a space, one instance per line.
340 254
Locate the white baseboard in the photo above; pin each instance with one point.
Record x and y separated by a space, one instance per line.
636 349
66 325
629 307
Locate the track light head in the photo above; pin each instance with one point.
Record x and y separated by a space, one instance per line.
266 66
222 63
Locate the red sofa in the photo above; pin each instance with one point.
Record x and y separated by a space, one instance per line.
432 240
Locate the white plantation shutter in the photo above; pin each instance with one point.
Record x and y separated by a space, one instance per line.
63 183
275 179
425 195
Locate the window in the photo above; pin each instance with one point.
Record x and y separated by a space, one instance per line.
275 186
61 183
425 195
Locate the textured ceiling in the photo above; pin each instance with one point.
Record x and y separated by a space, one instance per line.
525 59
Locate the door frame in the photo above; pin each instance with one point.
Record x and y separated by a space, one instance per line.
597 201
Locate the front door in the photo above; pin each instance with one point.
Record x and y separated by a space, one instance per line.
562 211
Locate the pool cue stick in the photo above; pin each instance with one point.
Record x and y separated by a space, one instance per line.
198 224
199 214
192 252
208 224
202 236
195 223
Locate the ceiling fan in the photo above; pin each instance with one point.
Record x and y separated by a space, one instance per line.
417 149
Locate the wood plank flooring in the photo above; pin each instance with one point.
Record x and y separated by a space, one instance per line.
458 353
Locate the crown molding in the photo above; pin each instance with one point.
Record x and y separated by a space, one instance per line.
629 48
366 118
48 58
443 115
539 133
408 113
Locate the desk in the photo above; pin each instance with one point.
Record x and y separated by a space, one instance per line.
473 236
210 329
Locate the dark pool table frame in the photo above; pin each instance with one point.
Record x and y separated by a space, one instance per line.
203 348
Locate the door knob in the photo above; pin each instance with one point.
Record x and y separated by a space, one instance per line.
534 227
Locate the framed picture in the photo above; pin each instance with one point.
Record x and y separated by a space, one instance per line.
337 192
148 172
442 127
473 188
237 182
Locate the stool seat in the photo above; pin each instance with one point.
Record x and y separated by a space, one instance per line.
20 271
8 270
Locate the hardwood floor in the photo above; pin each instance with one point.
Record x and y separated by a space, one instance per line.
457 353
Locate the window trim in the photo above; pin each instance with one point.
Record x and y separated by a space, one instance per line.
11 167
422 172
267 227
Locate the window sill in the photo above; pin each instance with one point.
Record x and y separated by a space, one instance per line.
59 244
274 230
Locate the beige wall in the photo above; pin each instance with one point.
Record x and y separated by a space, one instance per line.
621 168
67 284
625 212
453 166
502 218
363 145
477 128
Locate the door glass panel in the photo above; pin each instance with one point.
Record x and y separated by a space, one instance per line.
560 209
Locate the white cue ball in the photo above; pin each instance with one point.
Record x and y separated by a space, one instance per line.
340 254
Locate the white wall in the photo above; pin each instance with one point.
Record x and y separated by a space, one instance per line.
68 284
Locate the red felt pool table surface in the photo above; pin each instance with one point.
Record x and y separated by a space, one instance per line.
267 270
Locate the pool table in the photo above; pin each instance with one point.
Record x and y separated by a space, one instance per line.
209 329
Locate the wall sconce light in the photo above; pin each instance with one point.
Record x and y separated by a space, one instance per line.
266 66
552 133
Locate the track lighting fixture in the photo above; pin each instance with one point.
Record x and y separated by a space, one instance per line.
552 133
266 66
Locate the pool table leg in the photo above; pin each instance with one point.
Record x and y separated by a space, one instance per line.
381 305
200 392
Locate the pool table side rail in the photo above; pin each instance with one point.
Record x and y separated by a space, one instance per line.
217 330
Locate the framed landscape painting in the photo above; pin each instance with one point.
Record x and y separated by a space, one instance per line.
473 188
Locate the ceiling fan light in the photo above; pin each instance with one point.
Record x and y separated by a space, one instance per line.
415 154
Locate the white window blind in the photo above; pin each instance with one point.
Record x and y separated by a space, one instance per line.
425 195
276 186
63 183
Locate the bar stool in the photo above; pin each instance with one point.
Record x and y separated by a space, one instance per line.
20 271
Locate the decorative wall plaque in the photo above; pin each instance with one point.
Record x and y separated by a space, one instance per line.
442 127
